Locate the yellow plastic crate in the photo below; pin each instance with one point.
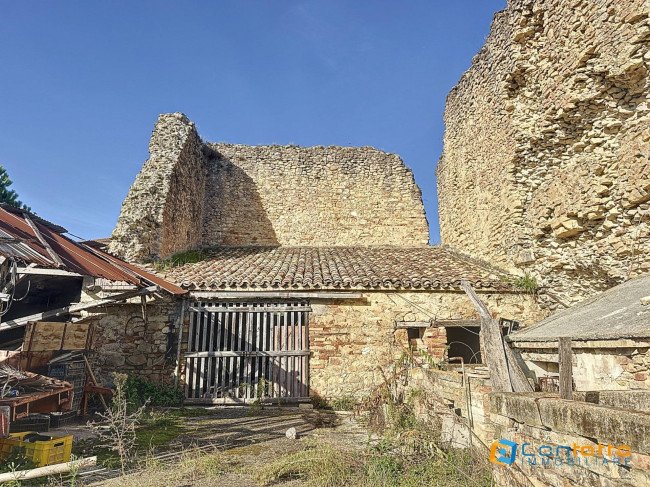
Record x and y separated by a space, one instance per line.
43 453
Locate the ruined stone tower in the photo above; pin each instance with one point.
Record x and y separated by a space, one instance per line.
545 165
191 195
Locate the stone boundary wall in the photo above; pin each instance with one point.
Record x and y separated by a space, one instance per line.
540 419
545 163
191 195
448 387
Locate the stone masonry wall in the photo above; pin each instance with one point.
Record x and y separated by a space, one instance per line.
191 195
290 195
353 340
162 214
126 342
545 164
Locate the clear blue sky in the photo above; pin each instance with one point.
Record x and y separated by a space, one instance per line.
82 83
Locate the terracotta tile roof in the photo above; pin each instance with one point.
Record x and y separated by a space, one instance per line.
333 268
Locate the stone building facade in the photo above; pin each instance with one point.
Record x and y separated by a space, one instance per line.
545 163
191 195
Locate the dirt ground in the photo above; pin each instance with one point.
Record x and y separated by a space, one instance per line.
236 442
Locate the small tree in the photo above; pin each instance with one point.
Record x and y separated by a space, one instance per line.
117 428
9 195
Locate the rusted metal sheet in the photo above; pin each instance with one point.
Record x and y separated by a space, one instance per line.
20 241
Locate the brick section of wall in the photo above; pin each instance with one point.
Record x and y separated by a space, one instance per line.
354 340
538 420
317 196
191 195
545 163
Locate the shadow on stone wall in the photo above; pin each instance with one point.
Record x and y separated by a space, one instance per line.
234 213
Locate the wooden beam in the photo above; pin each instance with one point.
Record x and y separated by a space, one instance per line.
452 323
55 257
59 468
505 373
45 272
412 324
74 308
566 367
273 294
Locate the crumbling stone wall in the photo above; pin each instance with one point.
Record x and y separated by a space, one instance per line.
191 195
290 195
545 163
162 214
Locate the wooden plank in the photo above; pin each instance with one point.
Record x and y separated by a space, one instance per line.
306 346
94 379
39 271
53 255
413 324
452 323
74 308
566 367
218 361
57 469
274 295
236 359
258 353
210 366
495 355
264 360
249 309
247 358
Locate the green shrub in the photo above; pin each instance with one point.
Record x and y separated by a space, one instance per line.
139 391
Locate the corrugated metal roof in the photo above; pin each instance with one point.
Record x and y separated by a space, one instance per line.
19 241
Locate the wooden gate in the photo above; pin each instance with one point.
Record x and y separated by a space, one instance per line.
241 352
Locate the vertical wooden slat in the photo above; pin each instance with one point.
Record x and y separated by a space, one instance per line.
210 349
257 361
224 361
305 358
217 360
275 369
566 368
264 348
202 348
249 361
291 367
237 360
299 347
231 360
